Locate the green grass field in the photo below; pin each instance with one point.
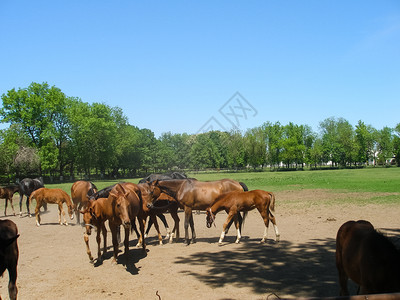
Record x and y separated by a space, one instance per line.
384 182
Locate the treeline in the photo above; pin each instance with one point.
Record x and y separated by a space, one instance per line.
51 134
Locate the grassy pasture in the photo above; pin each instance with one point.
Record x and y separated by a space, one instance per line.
381 184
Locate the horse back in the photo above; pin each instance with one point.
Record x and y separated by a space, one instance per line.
368 258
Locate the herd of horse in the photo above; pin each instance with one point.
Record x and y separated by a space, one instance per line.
362 253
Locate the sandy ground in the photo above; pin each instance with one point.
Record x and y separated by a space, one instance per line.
53 263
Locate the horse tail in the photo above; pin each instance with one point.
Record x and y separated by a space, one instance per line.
32 196
244 186
272 203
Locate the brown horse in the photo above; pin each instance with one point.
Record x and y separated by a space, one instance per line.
52 196
167 204
193 195
9 254
80 192
94 216
122 207
8 193
368 258
236 201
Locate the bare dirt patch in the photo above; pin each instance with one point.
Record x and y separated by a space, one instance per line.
53 262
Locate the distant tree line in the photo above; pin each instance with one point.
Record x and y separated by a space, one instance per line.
51 134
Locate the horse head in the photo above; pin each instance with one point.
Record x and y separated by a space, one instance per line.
71 210
210 218
120 204
153 192
89 216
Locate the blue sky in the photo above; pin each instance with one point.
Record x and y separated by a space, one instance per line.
172 65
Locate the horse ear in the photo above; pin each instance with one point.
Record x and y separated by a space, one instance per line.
112 194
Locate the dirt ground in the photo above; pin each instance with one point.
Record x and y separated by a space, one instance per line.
53 263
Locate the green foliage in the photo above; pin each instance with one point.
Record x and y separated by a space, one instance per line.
75 137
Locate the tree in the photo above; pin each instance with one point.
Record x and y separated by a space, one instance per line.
235 150
365 142
396 144
385 145
255 147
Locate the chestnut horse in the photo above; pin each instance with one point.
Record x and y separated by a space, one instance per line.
52 196
80 192
236 201
121 207
8 193
194 195
94 216
9 254
368 258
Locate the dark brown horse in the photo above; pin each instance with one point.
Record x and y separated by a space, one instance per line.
122 207
368 258
26 187
9 254
8 193
80 192
194 195
236 201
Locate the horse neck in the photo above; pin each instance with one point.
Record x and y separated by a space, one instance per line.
171 187
217 206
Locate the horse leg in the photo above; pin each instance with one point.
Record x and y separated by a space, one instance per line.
153 217
37 213
104 231
191 223
20 203
149 224
188 214
12 287
114 229
61 211
98 240
27 206
224 227
11 203
126 243
142 223
164 220
273 221
237 225
175 231
89 253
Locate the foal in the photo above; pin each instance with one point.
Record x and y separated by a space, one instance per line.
237 201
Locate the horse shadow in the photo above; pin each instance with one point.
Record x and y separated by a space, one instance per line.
302 270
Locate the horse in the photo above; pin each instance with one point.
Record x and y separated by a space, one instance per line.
236 201
368 258
105 192
194 195
53 196
8 193
80 194
122 207
93 216
9 254
170 205
26 187
165 176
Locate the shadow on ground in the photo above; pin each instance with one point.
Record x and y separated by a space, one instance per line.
283 268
